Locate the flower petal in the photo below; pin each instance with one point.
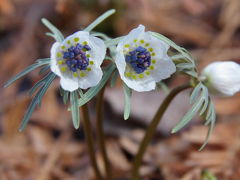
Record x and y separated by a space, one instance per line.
136 33
99 50
82 35
163 68
160 47
68 84
91 79
53 64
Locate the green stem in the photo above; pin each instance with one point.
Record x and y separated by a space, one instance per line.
89 138
100 133
152 128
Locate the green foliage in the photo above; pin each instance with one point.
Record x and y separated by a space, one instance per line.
127 101
44 69
86 97
186 63
202 104
56 33
37 99
114 79
40 62
75 109
99 20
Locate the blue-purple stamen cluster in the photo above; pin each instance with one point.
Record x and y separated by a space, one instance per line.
76 57
139 59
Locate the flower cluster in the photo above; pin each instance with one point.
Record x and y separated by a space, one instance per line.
141 58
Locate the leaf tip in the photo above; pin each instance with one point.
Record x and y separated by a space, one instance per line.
174 130
43 20
76 126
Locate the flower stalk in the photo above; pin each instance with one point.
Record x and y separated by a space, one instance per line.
89 138
152 129
100 133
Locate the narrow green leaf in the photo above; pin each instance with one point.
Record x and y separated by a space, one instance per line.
190 114
94 90
210 113
44 69
177 57
39 83
191 73
80 92
44 60
210 130
27 70
195 93
28 114
57 35
206 100
127 101
114 79
45 87
185 66
99 20
75 109
101 35
61 91
36 100
65 97
51 35
181 50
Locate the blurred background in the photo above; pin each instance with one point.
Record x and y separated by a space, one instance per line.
51 149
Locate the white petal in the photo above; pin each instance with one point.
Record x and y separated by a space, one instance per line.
140 85
98 50
91 79
224 77
159 46
82 35
68 84
163 68
53 63
136 33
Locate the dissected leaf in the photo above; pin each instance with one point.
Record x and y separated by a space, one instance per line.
30 68
94 90
36 101
40 83
56 34
190 114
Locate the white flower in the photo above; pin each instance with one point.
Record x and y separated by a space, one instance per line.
142 60
223 77
77 60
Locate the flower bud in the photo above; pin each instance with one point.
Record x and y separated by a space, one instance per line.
222 78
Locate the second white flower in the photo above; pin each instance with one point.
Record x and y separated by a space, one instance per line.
142 60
